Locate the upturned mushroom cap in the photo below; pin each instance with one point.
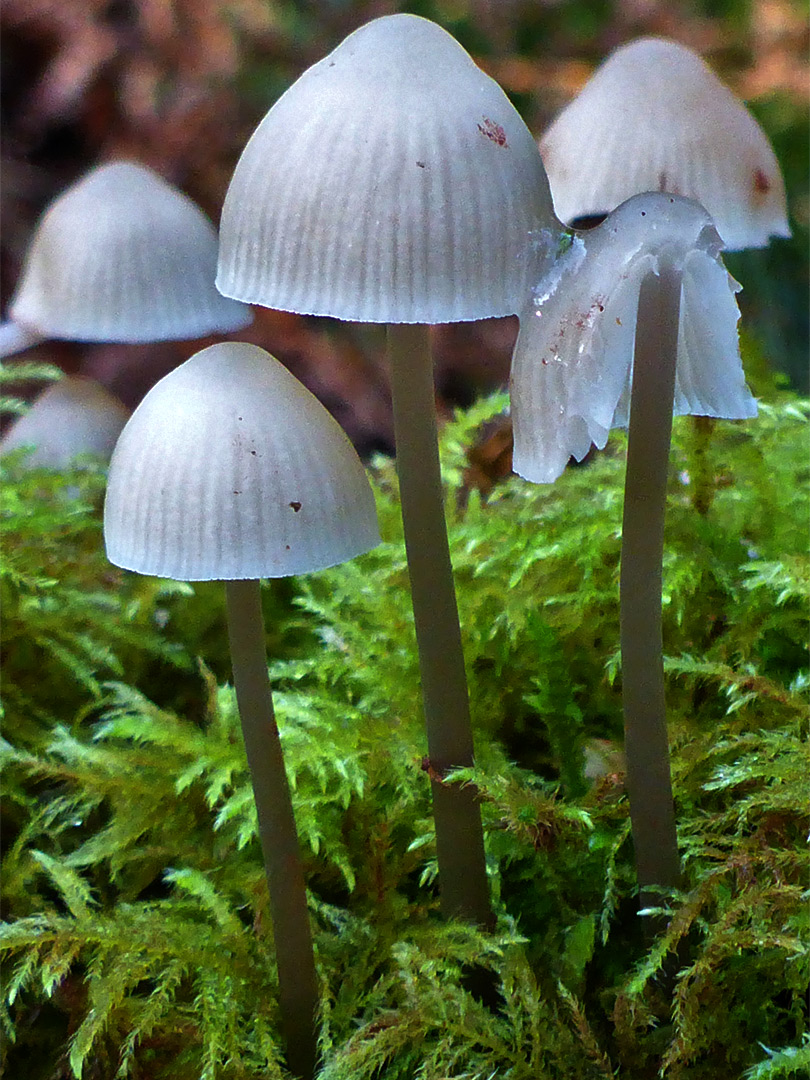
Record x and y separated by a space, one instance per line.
393 182
573 360
230 469
123 256
654 117
73 416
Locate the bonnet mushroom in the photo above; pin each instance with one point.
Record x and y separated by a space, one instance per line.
654 117
120 256
231 470
75 415
637 318
394 183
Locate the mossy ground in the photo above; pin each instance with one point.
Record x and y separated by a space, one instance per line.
137 941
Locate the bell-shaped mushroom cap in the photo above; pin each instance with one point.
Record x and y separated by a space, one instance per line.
123 256
230 468
73 416
393 182
654 117
573 360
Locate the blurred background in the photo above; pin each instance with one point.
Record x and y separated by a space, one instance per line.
180 85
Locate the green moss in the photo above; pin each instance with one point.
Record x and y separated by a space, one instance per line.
137 938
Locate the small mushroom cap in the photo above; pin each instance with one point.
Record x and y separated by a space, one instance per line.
123 256
393 182
73 416
230 468
654 117
573 360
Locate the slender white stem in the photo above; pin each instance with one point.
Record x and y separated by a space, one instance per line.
298 987
459 832
646 742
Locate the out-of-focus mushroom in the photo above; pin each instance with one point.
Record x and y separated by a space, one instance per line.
654 117
638 317
74 416
230 469
121 256
395 183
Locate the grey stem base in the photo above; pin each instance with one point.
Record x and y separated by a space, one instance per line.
646 742
298 987
463 884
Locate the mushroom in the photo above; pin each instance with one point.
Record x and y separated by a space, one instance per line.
654 117
121 256
230 469
75 415
637 318
394 183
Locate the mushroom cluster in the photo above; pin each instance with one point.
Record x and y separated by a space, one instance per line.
394 183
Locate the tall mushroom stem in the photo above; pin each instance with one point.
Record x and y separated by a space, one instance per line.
459 832
650 432
298 988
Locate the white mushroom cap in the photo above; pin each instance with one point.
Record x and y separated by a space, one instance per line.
73 416
229 469
123 256
573 360
393 182
654 117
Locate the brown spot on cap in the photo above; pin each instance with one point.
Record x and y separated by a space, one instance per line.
494 132
762 184
296 506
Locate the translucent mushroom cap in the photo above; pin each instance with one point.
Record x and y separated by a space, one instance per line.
123 256
230 468
393 182
73 416
573 360
654 117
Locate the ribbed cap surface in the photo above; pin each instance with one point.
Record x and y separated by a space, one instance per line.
229 469
393 182
123 256
573 360
73 416
654 117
